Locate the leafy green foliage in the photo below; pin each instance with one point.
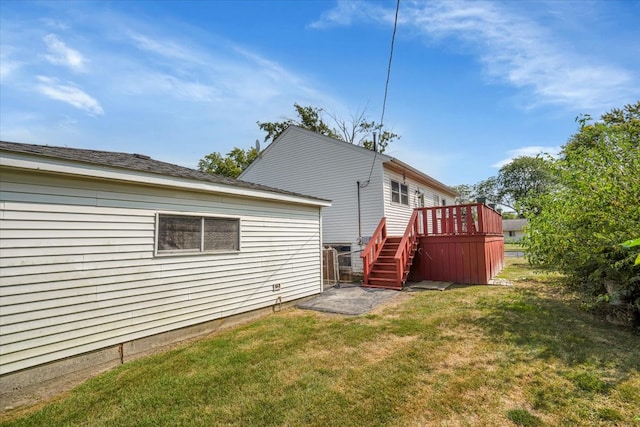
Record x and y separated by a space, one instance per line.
631 244
518 183
594 206
466 194
358 130
231 165
308 117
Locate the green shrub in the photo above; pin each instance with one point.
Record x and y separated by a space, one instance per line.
577 227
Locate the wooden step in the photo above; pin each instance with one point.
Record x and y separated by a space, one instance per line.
381 274
382 283
384 266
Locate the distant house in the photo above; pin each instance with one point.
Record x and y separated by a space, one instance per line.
513 229
363 186
108 255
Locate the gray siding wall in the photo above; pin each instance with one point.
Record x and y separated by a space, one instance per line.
307 163
79 271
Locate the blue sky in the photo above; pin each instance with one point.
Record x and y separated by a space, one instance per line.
472 83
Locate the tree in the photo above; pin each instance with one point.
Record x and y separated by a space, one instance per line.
232 165
594 206
518 183
466 194
358 130
309 118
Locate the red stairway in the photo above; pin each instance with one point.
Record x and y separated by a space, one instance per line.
385 272
458 243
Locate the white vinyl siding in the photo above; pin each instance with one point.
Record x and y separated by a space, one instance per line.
398 214
79 271
308 163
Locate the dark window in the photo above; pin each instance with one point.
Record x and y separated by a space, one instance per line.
399 193
512 233
179 233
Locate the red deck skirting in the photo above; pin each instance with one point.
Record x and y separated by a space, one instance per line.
462 259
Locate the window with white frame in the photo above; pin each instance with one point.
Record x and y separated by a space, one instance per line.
436 200
399 193
194 234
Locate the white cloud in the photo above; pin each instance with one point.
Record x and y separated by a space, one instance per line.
343 14
70 94
151 82
7 68
348 12
513 47
226 75
166 48
8 64
55 24
61 54
530 151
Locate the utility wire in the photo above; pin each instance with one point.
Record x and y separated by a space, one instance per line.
386 88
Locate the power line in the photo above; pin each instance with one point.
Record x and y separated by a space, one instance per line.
386 85
386 88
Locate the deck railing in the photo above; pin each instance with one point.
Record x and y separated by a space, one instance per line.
469 219
408 242
372 250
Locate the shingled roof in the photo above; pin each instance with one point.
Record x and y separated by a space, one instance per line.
513 224
136 162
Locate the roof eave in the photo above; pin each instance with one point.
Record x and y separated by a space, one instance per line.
27 161
400 166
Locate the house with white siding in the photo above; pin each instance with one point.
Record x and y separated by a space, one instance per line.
105 256
363 185
513 229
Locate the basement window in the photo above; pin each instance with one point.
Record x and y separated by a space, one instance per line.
399 193
178 234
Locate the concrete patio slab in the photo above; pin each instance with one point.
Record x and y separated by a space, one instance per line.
349 300
430 285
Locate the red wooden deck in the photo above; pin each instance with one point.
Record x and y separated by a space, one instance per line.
461 243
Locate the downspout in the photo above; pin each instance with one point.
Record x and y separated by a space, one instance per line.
359 214
321 250
359 222
375 151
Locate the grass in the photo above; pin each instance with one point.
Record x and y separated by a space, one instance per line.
513 247
521 355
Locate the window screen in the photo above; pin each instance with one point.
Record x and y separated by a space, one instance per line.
221 234
180 233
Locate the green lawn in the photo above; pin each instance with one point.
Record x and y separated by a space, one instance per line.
476 355
513 247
